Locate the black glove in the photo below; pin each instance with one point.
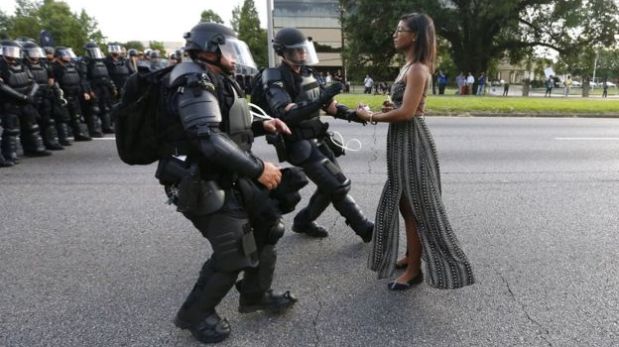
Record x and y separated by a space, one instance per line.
29 99
345 113
328 93
351 116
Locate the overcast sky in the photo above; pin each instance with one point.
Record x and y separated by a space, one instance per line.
125 20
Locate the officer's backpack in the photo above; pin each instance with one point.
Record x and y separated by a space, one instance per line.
136 118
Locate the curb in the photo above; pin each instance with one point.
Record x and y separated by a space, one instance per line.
526 115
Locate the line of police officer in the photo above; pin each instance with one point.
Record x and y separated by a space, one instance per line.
48 96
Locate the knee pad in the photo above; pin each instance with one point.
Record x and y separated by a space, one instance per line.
327 176
275 233
232 240
11 122
341 191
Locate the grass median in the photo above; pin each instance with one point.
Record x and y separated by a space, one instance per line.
463 105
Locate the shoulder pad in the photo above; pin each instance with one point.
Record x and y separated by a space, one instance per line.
271 75
185 68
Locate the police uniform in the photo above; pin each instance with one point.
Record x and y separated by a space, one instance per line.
307 147
209 172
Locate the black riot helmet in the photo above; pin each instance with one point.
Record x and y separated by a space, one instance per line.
11 51
114 48
93 51
294 47
49 50
132 52
32 51
217 38
65 54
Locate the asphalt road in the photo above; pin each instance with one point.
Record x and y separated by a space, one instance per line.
92 256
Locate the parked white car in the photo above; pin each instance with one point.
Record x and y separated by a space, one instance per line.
576 84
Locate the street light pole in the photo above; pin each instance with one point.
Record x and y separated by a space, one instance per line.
344 77
270 33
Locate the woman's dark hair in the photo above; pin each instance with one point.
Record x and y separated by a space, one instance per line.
425 45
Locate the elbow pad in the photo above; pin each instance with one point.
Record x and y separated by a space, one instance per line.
218 148
197 107
7 90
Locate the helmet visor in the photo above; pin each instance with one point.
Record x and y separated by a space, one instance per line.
114 49
67 52
11 52
35 53
302 53
95 53
238 51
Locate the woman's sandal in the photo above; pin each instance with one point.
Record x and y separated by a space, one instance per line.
396 286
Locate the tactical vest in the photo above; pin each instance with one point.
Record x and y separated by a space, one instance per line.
70 80
19 78
119 71
238 122
97 72
39 73
308 91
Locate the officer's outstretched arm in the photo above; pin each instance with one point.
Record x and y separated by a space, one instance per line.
343 112
298 111
281 102
200 115
12 93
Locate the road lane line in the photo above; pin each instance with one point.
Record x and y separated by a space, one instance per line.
104 138
587 138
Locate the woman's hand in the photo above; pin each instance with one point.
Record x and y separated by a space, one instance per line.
363 112
387 106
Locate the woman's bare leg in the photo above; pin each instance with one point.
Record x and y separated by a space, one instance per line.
413 259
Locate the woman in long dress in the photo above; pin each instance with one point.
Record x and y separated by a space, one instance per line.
413 185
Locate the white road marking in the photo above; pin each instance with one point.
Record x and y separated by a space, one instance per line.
587 138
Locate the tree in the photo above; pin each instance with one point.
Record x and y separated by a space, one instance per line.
67 28
210 16
135 44
482 31
158 45
246 23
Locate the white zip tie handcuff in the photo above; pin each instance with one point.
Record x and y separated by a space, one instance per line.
334 134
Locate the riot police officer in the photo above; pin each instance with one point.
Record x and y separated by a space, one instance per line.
17 89
74 88
295 96
34 60
211 175
58 102
117 66
102 91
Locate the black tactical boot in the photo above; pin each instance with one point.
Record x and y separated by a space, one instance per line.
50 138
348 208
211 329
273 303
80 131
63 133
363 230
311 229
106 124
4 162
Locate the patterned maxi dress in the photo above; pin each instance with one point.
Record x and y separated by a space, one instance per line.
413 172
